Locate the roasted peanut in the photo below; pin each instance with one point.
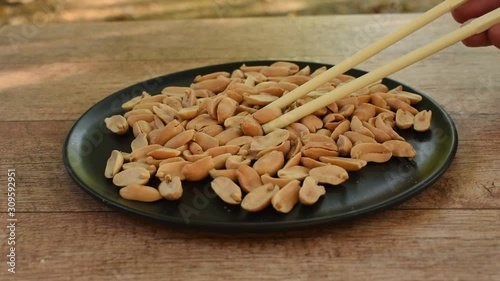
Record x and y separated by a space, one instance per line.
310 192
285 199
131 176
171 188
330 174
248 178
371 152
141 193
114 164
227 190
117 124
259 198
422 121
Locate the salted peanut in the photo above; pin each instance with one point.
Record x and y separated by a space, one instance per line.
330 174
164 153
422 121
146 105
171 169
285 199
188 113
187 155
114 164
198 170
287 86
378 135
142 153
316 149
203 93
180 139
283 147
230 174
395 104
140 193
404 119
150 160
195 148
235 161
211 130
379 101
343 127
344 145
259 198
312 122
290 65
213 104
310 192
270 163
140 141
155 98
362 94
356 138
126 156
237 97
265 115
225 109
141 126
333 107
276 71
401 148
174 91
228 135
149 167
378 88
200 122
248 178
364 111
131 103
306 71
318 71
311 163
412 97
250 127
294 172
255 76
214 151
354 101
131 176
137 111
235 121
380 123
171 188
161 136
388 118
205 141
210 76
237 73
272 139
273 91
357 126
349 164
333 117
275 181
371 152
227 190
310 137
220 160
324 132
165 113
172 160
296 79
240 141
266 84
298 129
216 85
117 124
260 99
347 110
294 160
156 124
173 102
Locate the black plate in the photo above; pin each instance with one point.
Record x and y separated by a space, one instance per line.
375 187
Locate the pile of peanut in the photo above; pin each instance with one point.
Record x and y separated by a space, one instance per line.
213 129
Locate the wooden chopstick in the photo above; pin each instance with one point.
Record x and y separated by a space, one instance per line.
366 53
474 27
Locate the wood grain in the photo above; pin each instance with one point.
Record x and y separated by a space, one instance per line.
450 231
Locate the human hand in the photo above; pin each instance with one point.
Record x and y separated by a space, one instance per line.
474 9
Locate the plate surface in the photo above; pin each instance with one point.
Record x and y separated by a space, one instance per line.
377 186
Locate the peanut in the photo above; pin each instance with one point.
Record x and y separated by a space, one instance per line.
259 198
285 199
141 193
227 190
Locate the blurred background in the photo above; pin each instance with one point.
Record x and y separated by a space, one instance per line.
15 12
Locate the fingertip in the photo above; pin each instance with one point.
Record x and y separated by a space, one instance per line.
494 35
478 40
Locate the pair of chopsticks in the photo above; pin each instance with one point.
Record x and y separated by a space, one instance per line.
476 26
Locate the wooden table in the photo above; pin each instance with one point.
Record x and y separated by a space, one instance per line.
50 74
